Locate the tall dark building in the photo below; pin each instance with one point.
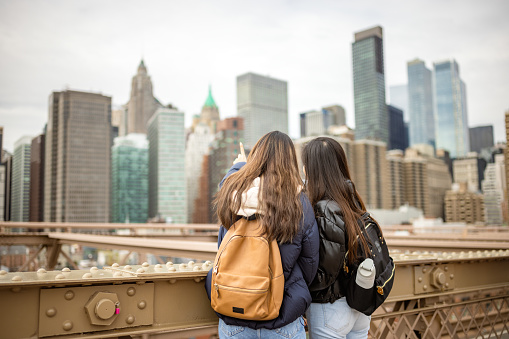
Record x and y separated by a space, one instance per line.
398 136
36 212
78 158
371 118
481 137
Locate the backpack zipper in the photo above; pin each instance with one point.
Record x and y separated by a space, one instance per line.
380 289
238 289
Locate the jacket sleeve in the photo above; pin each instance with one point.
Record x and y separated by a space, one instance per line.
332 249
309 256
234 169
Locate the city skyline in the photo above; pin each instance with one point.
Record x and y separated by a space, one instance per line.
187 47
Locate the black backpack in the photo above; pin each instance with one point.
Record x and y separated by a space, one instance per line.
368 300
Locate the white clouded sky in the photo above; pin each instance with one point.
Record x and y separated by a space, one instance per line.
96 45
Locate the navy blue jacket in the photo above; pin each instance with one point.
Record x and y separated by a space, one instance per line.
300 262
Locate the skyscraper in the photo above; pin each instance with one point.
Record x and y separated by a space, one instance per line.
469 169
21 179
420 104
397 129
167 177
493 187
37 179
129 179
142 104
314 123
210 113
371 118
450 109
481 137
77 158
263 103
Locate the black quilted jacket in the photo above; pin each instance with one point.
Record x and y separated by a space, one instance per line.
326 284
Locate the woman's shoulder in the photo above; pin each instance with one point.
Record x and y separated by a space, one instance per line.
326 207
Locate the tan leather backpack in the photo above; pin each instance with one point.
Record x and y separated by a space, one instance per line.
247 277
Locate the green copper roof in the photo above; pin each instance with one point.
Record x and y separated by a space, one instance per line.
210 100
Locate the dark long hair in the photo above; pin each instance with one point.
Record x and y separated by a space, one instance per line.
328 177
274 160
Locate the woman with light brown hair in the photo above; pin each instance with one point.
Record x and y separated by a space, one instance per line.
267 185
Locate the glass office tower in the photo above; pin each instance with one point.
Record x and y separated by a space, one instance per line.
450 109
129 178
420 103
371 118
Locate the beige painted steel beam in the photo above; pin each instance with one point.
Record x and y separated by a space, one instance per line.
110 226
445 245
175 248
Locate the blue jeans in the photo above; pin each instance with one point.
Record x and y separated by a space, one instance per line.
336 320
292 330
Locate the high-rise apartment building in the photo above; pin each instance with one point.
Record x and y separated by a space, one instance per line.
396 172
129 179
21 179
167 177
493 190
337 114
224 149
481 137
461 205
197 148
7 165
371 118
78 158
370 173
450 109
398 138
420 103
142 104
469 169
263 103
416 181
37 179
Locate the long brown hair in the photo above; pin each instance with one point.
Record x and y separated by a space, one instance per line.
328 177
274 160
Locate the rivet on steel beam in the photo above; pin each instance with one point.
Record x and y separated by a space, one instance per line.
115 265
172 269
446 268
117 274
69 295
140 270
3 272
182 266
169 263
17 278
16 289
87 275
130 319
172 281
191 263
131 291
93 269
128 267
446 285
420 279
41 271
205 266
425 287
142 304
424 270
158 267
207 262
66 269
198 279
60 276
51 312
451 276
197 268
145 264
67 325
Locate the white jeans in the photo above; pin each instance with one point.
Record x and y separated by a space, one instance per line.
336 320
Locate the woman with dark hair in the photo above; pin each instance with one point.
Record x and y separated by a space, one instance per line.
269 186
337 207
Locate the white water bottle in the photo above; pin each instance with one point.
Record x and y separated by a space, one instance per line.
366 274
